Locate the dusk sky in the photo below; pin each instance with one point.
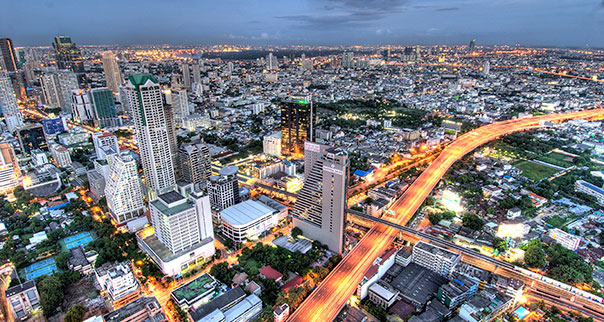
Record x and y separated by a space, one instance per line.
314 22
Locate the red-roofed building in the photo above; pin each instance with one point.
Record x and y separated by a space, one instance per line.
269 272
376 271
294 282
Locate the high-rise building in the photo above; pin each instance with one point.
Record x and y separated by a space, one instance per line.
196 73
321 205
113 76
184 235
486 68
57 88
7 52
67 54
224 188
271 62
10 173
296 125
118 281
105 112
104 142
186 75
31 137
82 107
434 258
472 46
271 144
8 103
172 141
145 100
54 126
180 102
60 155
347 59
123 189
195 163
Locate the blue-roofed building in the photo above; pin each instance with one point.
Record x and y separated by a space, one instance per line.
248 220
54 126
590 189
362 174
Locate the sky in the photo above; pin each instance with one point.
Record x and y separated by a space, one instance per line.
560 23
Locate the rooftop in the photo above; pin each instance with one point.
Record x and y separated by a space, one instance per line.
164 253
269 272
132 308
168 203
246 212
221 302
241 307
417 283
195 289
20 288
438 251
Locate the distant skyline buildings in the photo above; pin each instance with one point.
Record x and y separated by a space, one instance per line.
340 22
7 53
67 54
113 76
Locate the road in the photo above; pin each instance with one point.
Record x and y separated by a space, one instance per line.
331 295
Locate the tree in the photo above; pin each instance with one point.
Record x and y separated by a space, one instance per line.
434 218
62 260
535 255
51 294
472 221
75 314
296 231
500 244
221 272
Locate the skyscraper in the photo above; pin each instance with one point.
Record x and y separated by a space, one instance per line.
82 107
271 62
7 51
10 173
145 100
195 162
321 205
296 125
172 141
113 76
224 188
105 112
57 88
8 103
472 46
67 54
123 188
486 68
347 59
180 102
104 142
196 73
186 75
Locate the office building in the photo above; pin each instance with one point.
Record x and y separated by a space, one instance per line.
459 289
23 299
31 137
195 163
247 220
67 54
123 189
113 76
105 112
567 240
19 85
60 155
54 126
437 259
10 173
271 62
57 89
224 188
180 102
83 112
296 125
320 208
196 73
184 236
145 100
172 141
186 75
143 309
347 59
7 53
8 103
118 281
271 144
472 46
104 142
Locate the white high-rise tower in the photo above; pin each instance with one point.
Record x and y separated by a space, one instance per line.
123 188
113 76
145 100
8 103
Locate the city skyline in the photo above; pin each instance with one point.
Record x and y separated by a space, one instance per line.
313 22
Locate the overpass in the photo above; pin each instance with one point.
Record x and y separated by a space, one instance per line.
580 303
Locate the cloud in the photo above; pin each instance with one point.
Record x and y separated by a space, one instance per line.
386 31
448 9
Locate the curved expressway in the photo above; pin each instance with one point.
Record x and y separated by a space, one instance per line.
329 297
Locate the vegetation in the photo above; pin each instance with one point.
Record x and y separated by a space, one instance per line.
534 255
534 171
296 231
435 218
52 290
278 258
75 313
472 221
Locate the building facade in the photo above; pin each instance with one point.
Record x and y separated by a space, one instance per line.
321 205
123 189
113 76
434 258
195 162
23 299
296 125
224 188
8 103
10 173
7 53
271 144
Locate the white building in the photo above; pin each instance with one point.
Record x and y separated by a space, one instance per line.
183 232
271 144
380 266
145 102
590 189
123 189
8 103
224 188
102 141
83 110
568 241
10 173
57 87
117 280
247 220
60 155
193 121
437 259
180 102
